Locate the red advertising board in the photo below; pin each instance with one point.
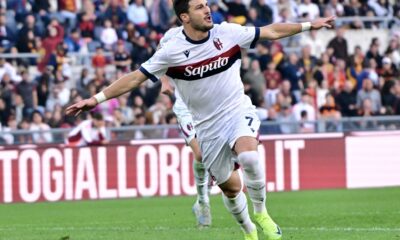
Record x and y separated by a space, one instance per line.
163 168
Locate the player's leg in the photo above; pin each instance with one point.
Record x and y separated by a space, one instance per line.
236 203
200 173
202 206
254 179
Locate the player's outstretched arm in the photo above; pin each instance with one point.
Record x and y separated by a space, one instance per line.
280 30
124 84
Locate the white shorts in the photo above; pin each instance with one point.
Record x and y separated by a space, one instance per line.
218 156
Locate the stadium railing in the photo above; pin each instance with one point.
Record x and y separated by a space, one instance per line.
345 124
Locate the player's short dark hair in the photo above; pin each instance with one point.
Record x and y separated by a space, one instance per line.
181 6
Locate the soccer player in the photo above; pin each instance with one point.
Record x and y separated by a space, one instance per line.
204 63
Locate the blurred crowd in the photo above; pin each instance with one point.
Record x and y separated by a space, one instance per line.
322 81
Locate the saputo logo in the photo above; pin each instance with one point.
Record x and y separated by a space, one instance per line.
201 70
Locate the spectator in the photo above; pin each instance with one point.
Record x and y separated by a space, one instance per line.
27 34
56 34
237 11
140 120
10 70
7 37
273 79
307 62
114 13
347 100
141 51
339 45
264 12
126 111
122 59
138 15
368 72
108 35
216 15
304 111
373 52
389 70
171 132
368 92
73 41
160 15
266 128
253 19
393 51
256 79
263 56
287 94
59 60
305 126
5 136
339 75
335 8
87 20
68 9
389 96
330 113
308 10
90 132
27 89
293 73
41 130
99 60
317 47
286 120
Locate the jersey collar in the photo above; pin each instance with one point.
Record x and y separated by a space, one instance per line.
194 41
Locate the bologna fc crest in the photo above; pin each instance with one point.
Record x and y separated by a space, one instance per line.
218 43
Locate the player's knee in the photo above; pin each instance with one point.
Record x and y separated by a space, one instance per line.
231 189
249 159
232 192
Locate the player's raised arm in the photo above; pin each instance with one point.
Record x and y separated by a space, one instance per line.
280 30
117 88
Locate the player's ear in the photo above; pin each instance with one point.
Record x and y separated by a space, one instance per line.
184 17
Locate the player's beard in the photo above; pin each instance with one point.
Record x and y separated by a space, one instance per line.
203 27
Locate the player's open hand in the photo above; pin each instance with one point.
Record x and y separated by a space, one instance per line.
83 105
319 23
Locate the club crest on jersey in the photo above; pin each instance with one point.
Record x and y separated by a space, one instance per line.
187 52
218 43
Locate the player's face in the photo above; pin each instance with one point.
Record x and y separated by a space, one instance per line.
200 15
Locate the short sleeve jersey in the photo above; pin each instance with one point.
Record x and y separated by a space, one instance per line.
206 73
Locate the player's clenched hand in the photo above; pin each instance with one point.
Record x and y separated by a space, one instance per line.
319 23
166 87
83 105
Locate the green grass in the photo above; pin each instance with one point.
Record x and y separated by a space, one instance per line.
332 214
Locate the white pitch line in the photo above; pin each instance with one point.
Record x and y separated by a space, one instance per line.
163 228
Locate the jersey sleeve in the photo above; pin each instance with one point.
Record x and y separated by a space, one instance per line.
169 35
245 36
156 66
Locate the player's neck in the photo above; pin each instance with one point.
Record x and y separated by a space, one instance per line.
195 35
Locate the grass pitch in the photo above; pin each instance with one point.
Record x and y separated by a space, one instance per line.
330 214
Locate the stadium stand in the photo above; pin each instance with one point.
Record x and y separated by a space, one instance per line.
56 52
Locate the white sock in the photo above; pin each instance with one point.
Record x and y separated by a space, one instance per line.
238 208
201 179
254 179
